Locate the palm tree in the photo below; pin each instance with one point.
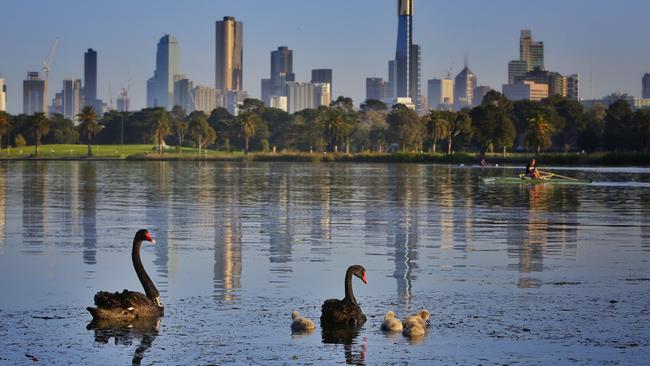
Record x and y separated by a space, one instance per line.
88 125
160 128
539 134
437 127
40 127
4 126
248 122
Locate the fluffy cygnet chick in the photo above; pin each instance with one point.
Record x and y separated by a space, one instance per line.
391 323
301 324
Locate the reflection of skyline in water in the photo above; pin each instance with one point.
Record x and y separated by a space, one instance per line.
35 206
227 234
89 181
276 193
158 208
403 226
3 206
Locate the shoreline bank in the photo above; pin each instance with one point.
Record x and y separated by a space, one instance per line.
604 159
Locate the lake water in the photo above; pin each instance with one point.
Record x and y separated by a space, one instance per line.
510 273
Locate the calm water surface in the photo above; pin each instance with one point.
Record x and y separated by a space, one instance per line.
511 274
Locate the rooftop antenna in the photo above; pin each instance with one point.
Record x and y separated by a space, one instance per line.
466 61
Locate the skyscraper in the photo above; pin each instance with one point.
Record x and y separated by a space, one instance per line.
229 55
34 94
465 83
441 94
3 95
530 51
516 70
414 76
71 98
160 88
374 87
281 70
403 49
322 76
183 94
90 77
645 94
392 78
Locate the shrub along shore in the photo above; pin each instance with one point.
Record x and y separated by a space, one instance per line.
147 152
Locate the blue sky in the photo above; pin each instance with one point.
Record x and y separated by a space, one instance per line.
605 38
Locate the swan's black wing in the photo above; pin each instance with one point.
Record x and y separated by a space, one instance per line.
123 300
341 313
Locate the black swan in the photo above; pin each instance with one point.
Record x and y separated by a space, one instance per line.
130 305
344 313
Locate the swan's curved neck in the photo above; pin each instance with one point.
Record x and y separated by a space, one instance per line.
349 295
149 288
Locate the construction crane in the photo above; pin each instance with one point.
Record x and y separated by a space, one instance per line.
47 62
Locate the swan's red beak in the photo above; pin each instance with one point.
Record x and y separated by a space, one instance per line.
149 238
364 278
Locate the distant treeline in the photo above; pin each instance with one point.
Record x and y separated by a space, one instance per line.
498 124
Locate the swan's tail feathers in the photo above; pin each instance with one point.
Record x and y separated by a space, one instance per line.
93 311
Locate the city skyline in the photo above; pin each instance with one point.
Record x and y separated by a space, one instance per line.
490 38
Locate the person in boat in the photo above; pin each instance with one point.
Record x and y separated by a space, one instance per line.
531 170
484 163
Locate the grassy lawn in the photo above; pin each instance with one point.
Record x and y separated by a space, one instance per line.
109 151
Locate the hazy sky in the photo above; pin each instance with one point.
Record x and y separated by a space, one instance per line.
356 38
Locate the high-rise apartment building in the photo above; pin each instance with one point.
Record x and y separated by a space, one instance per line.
206 99
160 88
645 93
34 94
440 94
404 47
322 94
299 96
464 86
573 83
229 55
323 76
3 95
71 98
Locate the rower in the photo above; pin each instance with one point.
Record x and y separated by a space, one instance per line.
531 170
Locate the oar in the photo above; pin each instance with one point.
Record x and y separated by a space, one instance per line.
560 176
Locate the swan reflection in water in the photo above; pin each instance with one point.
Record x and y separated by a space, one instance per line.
355 353
144 330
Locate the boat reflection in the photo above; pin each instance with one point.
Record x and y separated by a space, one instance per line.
125 333
355 352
